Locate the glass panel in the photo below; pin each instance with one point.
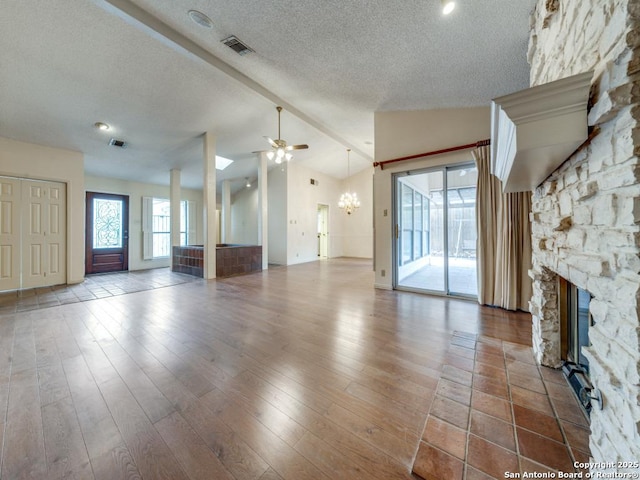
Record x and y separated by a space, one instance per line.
406 224
107 223
417 225
184 216
425 226
584 320
426 270
462 233
161 223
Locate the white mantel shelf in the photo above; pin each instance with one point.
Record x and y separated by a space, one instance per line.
534 131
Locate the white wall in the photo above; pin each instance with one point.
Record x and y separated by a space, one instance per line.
136 191
357 228
244 216
302 238
26 160
277 208
399 134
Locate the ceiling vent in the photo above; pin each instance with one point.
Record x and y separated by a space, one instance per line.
236 45
114 142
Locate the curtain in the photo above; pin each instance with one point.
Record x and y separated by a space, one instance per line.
504 240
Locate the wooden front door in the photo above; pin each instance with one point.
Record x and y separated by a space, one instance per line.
107 237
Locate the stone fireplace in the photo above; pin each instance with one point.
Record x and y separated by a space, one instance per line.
586 215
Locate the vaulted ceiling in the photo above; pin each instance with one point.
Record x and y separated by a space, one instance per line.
160 80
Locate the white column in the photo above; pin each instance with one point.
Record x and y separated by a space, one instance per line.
209 200
175 207
226 211
263 210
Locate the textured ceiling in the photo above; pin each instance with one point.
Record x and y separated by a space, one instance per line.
161 80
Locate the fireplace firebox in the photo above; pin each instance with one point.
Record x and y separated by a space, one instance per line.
575 321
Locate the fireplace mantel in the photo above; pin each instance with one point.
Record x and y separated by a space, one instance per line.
535 130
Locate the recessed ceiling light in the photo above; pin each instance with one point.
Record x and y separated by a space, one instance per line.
200 18
101 126
448 6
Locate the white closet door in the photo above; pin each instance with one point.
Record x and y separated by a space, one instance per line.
56 235
9 233
43 233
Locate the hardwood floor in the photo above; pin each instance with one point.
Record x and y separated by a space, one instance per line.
305 372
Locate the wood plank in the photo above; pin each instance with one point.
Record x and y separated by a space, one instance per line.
154 404
115 464
23 455
366 428
151 455
282 457
270 474
235 454
332 462
196 458
65 448
99 430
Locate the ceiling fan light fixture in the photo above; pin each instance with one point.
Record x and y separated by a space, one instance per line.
279 148
448 6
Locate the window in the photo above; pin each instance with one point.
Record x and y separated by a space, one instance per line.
414 223
184 222
161 227
156 220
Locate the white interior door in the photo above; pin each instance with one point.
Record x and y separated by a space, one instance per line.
9 233
43 233
323 231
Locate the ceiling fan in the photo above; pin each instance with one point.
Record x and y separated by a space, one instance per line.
280 148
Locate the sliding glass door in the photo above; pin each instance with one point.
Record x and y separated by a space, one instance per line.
435 248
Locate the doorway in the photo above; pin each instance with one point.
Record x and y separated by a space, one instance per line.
107 233
323 231
435 230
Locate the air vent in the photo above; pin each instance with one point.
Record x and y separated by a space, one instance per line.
118 143
236 45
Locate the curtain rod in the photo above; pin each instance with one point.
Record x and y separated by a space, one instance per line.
481 143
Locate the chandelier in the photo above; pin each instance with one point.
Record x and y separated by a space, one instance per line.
349 200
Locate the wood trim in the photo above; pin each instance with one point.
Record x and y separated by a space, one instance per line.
480 143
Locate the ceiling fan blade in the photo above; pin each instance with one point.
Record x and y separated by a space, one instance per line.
272 142
297 147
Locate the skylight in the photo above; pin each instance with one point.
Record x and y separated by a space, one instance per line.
222 163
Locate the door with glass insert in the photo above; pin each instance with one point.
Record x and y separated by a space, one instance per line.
435 248
107 233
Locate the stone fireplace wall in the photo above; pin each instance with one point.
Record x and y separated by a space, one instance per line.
586 215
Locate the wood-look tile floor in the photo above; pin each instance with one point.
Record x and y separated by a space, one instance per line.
305 372
100 285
